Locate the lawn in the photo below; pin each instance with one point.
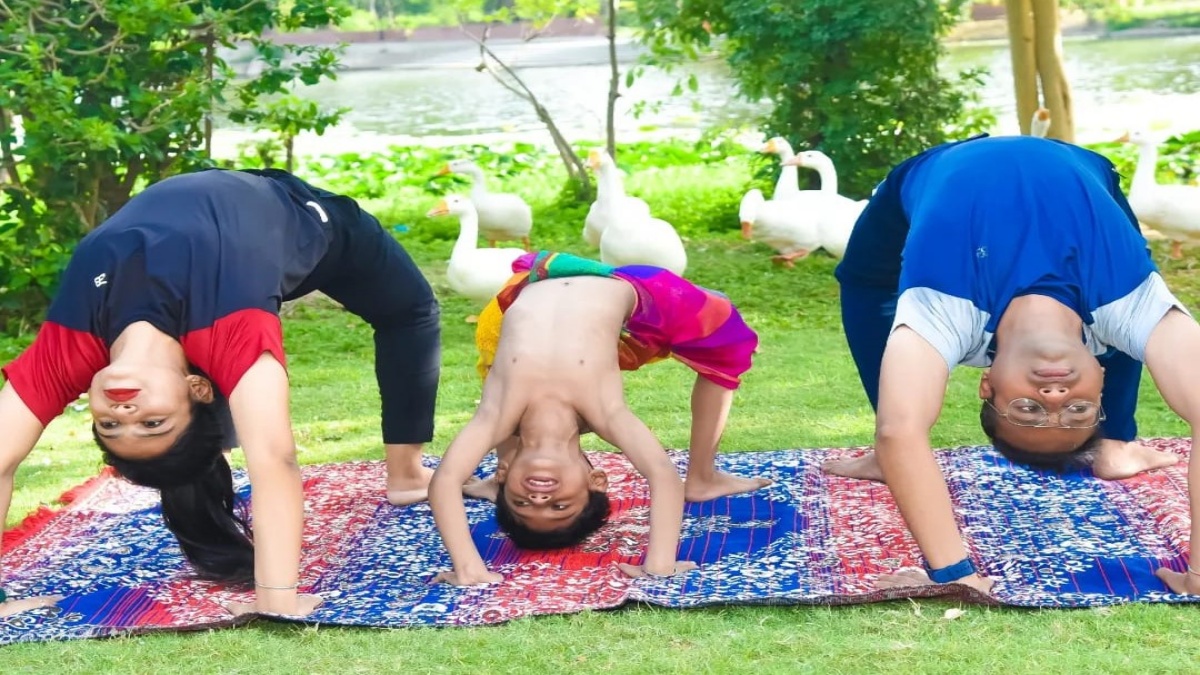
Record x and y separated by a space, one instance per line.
802 392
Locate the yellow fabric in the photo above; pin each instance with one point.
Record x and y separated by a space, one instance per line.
487 336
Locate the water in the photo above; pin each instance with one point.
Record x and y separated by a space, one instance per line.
439 98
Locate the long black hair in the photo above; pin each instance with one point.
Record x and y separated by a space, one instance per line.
199 505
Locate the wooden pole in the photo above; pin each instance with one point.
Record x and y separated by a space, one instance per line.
1024 60
1048 55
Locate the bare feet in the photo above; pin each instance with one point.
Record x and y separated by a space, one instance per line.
865 467
305 604
912 576
410 488
789 259
635 571
14 606
1120 459
719 485
1179 582
482 489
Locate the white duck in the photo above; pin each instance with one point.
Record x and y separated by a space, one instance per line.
612 204
834 214
1173 210
1039 126
788 183
473 272
502 216
646 241
781 224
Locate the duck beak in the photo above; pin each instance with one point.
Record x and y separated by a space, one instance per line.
440 210
746 227
1123 139
593 160
794 161
769 147
446 170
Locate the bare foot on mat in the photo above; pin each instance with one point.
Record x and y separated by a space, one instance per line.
25 604
410 489
1184 583
482 489
720 485
636 571
912 576
865 467
306 603
1120 459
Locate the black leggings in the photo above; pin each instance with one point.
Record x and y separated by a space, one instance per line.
372 276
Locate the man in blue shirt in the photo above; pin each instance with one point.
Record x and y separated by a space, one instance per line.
1019 255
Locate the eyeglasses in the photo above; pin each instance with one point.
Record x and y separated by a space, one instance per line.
1078 414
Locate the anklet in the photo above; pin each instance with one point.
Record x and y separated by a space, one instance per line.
278 588
1192 571
674 571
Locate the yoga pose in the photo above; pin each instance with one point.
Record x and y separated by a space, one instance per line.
168 314
1019 255
553 371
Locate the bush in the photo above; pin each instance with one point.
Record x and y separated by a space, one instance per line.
100 97
857 79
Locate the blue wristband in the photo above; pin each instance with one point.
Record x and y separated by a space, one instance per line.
3 596
951 573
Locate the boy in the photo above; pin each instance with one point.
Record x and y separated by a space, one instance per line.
570 325
1020 255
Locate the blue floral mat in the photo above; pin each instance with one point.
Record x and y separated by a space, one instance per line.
810 538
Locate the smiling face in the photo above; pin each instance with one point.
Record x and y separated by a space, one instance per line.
1060 378
547 491
140 413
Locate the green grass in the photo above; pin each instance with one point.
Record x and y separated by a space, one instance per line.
802 392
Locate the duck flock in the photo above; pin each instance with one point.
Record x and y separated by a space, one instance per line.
793 222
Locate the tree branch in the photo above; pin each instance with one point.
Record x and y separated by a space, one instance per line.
6 155
574 166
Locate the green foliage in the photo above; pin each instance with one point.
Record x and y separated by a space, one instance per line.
1178 159
857 79
1169 15
696 186
287 116
98 97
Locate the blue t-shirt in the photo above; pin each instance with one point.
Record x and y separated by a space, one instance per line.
996 218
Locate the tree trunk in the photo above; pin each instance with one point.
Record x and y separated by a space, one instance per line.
289 145
1048 50
1024 60
614 82
210 55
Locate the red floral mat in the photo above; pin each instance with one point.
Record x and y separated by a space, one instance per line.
1048 540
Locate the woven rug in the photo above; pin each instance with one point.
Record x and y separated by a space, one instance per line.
1048 540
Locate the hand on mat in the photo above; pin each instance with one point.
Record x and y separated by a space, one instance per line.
14 606
305 604
480 578
636 571
1179 582
915 576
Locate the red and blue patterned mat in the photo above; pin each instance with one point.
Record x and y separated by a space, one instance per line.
1048 540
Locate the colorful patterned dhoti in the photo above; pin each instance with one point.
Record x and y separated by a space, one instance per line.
672 318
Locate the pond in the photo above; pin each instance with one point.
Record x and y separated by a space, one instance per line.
432 94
